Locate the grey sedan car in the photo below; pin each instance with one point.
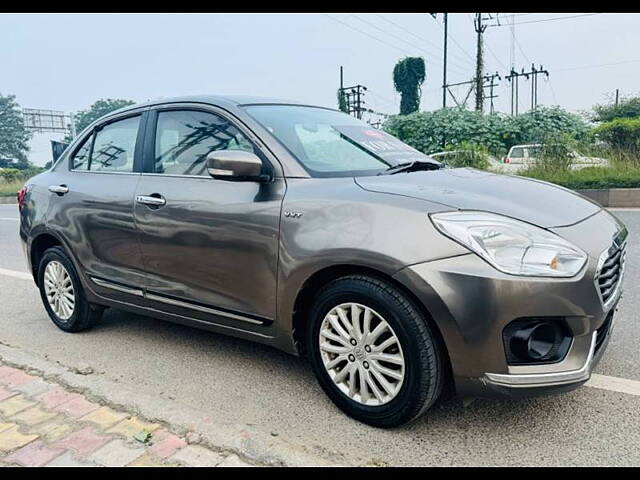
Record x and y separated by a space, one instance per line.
300 227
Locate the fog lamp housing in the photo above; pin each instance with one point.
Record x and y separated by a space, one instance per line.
530 341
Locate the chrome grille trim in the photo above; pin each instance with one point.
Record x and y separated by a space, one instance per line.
610 271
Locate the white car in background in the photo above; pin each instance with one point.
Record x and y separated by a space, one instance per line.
521 157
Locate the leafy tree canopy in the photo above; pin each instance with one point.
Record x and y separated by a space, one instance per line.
408 76
626 108
622 133
14 137
84 118
425 131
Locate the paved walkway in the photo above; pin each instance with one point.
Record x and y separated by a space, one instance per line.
45 424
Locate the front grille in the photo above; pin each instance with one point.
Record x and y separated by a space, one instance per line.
610 273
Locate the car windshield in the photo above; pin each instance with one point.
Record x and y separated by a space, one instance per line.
329 143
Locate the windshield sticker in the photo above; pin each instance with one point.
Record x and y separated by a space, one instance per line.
381 144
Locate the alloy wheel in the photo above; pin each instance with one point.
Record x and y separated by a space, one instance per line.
59 290
362 354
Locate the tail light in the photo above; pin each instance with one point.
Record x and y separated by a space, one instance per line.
22 195
507 160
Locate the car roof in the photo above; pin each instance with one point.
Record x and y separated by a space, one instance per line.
229 101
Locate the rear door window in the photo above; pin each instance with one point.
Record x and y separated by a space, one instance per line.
114 146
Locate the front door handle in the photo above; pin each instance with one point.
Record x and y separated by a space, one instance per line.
59 189
155 201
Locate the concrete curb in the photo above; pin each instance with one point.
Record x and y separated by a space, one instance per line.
614 197
8 200
248 442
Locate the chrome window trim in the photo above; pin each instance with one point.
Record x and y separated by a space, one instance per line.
103 172
276 167
177 175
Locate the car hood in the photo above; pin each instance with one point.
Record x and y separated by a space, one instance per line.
533 201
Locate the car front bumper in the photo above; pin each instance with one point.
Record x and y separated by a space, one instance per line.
471 303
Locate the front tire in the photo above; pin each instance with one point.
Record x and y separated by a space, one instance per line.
373 351
62 293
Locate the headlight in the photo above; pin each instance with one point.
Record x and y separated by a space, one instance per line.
512 246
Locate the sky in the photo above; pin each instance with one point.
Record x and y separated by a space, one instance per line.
68 61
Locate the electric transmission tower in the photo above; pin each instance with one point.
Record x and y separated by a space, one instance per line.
354 97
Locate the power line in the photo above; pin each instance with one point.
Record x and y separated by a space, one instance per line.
458 45
367 34
382 98
402 40
521 50
553 92
597 65
496 57
373 37
417 36
407 31
566 17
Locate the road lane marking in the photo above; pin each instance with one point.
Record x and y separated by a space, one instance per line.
15 274
8 218
614 384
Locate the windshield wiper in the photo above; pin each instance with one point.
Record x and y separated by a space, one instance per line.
414 166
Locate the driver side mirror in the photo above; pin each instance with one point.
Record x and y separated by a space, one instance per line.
236 165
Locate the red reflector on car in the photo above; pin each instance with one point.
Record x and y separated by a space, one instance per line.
22 193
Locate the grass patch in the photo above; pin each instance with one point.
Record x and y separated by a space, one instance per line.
588 177
10 188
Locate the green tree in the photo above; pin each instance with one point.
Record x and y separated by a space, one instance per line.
496 132
408 76
535 126
626 108
14 137
84 118
620 133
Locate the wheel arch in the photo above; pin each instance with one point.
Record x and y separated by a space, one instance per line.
318 279
40 244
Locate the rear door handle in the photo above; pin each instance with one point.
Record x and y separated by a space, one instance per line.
150 200
59 189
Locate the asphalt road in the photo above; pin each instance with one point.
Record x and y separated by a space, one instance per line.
238 381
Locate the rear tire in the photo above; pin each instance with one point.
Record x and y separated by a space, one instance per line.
414 377
62 293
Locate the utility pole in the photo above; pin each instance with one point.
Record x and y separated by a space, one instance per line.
512 45
491 86
444 68
480 28
513 79
534 84
617 94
